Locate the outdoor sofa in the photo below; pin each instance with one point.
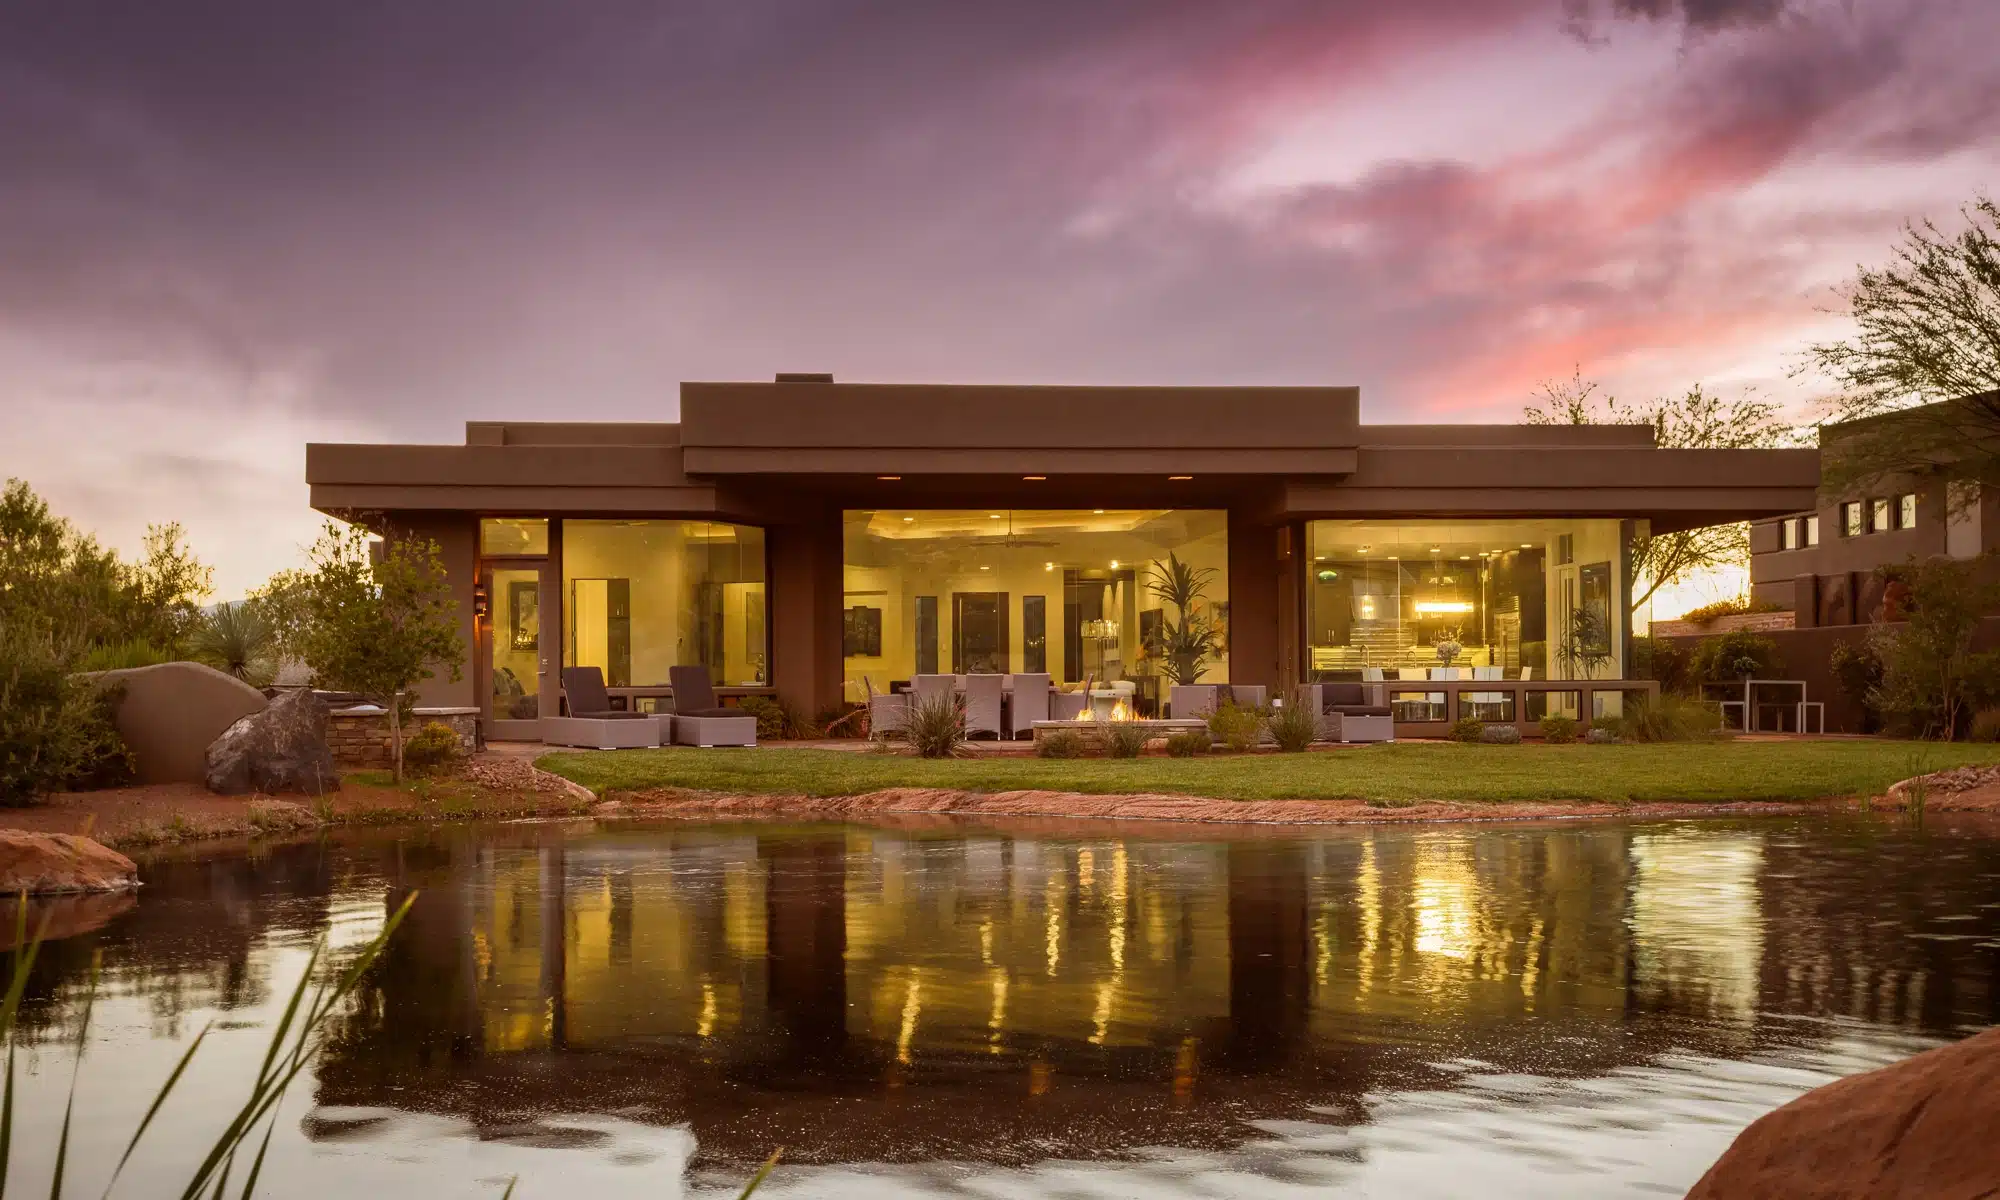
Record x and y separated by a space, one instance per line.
1352 712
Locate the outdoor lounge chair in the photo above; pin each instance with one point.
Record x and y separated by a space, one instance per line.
1353 712
698 719
592 722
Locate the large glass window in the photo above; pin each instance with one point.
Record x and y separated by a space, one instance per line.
1106 594
1528 599
642 596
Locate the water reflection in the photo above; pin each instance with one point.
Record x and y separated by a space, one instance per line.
933 992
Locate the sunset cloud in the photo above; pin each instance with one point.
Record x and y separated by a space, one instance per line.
227 227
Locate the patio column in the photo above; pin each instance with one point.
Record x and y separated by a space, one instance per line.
1253 601
804 561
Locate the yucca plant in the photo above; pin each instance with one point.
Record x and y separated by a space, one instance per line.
935 727
236 638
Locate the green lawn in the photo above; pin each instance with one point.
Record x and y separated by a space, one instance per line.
1400 772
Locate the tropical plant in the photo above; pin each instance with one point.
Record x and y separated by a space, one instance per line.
378 625
1059 743
1933 679
1583 645
935 726
1695 420
1734 656
1123 739
236 638
1236 727
1188 742
1295 726
1927 334
1558 730
1185 644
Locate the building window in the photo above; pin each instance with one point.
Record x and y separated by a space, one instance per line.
642 596
1879 516
1812 530
1076 593
502 536
1850 519
1540 596
1906 511
1788 533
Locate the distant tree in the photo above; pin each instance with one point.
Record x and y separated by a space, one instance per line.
283 605
1932 680
378 624
235 638
1696 420
1926 346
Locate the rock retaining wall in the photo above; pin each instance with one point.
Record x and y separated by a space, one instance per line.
359 737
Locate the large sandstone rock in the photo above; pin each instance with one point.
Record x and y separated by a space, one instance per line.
1922 1128
39 863
170 712
66 915
281 749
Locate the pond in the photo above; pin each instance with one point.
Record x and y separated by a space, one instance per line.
937 1009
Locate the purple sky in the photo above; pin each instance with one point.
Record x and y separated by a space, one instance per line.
227 228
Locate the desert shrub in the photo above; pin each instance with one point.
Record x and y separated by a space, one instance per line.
1607 724
1501 735
1466 729
1735 655
236 638
1060 743
119 656
1600 736
1187 743
1671 719
777 720
843 720
56 731
1708 614
935 727
433 749
1558 730
1295 726
1123 739
1857 674
1661 659
1237 728
1933 680
1986 726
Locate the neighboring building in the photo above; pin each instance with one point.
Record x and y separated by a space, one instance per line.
820 539
1821 563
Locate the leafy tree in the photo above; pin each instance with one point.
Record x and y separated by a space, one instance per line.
1932 680
1186 643
1696 420
1926 346
377 625
235 638
283 605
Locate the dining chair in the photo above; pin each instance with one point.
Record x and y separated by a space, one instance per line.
930 687
983 707
1031 704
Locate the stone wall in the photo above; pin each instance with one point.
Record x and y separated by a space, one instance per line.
359 737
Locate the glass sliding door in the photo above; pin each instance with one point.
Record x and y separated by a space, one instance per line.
1075 593
514 651
643 596
1535 599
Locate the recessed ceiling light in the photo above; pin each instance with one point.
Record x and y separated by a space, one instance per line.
1465 558
1114 564
1437 549
1180 478
1034 477
986 568
1098 511
1048 566
1319 558
909 518
1395 558
888 478
992 516
1527 545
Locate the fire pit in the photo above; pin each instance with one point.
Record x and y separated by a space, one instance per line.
1154 726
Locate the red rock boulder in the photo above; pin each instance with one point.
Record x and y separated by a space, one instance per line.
1925 1127
41 863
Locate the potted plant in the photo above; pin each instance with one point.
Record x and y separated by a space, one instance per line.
1185 644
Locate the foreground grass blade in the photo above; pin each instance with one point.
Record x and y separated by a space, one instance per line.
154 1109
24 961
271 1083
757 1180
509 1193
76 1069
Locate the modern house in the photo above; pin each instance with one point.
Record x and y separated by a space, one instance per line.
820 540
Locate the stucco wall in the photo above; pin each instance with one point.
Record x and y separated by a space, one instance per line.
172 711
